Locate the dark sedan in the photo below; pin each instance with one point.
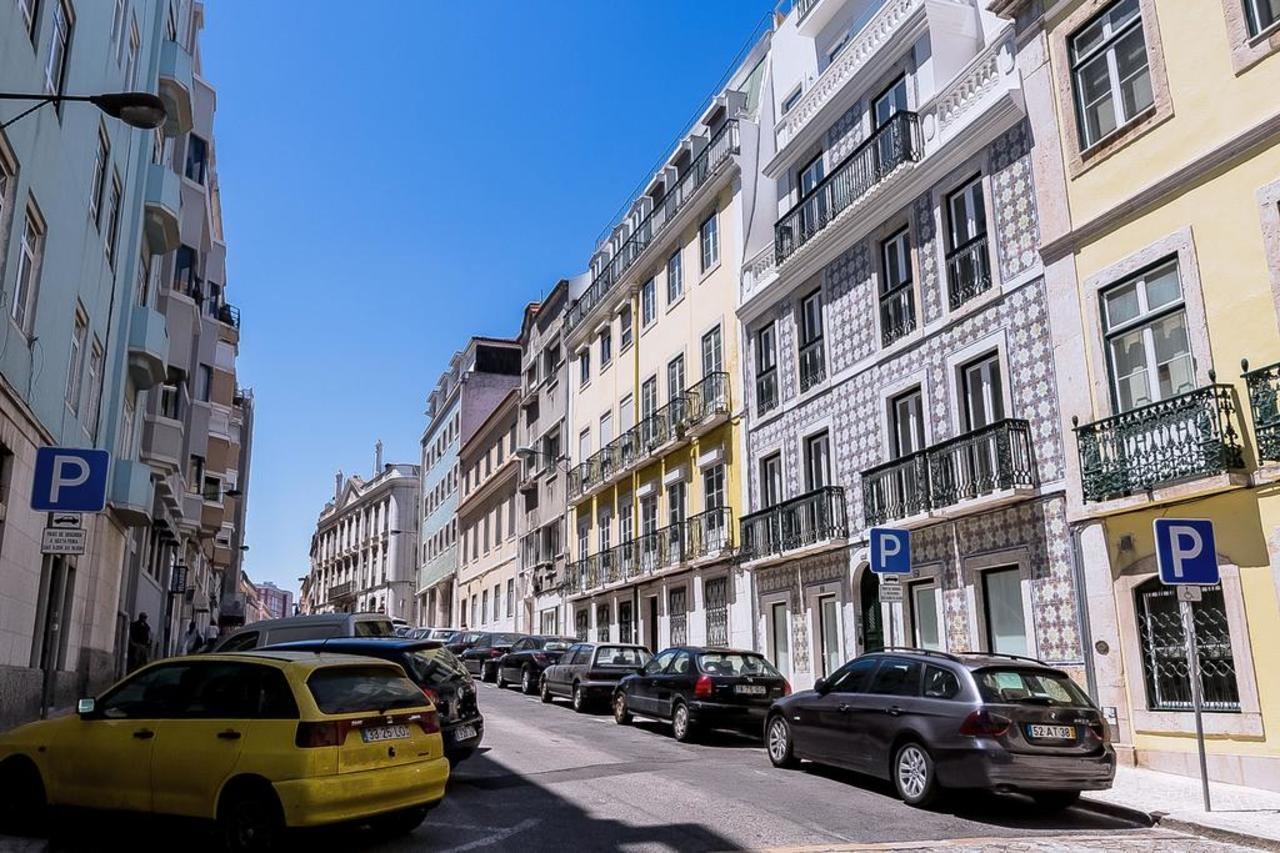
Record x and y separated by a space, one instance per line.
528 658
434 669
697 688
931 720
481 657
459 641
589 672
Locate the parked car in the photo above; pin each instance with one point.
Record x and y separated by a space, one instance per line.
931 720
696 688
462 640
316 626
528 658
256 742
444 635
433 668
589 673
481 656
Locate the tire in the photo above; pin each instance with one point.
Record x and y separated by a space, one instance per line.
24 808
777 741
579 699
487 673
913 775
400 822
1055 801
544 690
527 685
682 728
621 715
250 819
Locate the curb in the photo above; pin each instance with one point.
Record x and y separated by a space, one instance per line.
1118 811
1152 819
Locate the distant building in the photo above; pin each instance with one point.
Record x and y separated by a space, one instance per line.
276 602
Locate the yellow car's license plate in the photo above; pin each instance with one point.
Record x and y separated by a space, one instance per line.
379 733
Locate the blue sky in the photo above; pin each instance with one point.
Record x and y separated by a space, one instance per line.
399 175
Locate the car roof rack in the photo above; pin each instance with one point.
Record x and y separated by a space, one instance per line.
1036 661
916 651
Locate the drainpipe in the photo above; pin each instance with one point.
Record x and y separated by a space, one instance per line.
1082 613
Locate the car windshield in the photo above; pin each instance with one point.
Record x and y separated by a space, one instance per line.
735 663
374 628
442 635
1029 687
622 656
356 689
506 639
435 666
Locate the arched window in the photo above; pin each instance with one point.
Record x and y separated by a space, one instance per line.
1164 649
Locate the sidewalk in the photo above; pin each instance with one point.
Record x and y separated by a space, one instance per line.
1244 815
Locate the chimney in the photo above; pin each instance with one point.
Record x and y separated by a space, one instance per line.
377 458
337 486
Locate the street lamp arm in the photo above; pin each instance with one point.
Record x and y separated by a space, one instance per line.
137 109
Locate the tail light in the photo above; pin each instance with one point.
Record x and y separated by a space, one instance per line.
430 722
984 724
312 735
704 687
1102 730
496 653
786 687
539 657
432 696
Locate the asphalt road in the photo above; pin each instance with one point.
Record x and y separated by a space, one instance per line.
550 779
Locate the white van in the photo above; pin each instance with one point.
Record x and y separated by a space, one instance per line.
317 626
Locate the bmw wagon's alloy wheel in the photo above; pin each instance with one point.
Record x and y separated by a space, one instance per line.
778 742
913 775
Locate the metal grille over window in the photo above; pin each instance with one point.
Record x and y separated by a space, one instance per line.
716 592
679 617
1164 650
1264 400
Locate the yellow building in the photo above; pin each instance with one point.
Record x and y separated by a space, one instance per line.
1158 174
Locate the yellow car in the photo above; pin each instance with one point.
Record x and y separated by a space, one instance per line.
257 741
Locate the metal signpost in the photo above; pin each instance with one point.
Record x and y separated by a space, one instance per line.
1188 559
890 559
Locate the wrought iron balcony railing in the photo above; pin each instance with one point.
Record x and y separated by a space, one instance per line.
229 314
342 590
813 365
803 7
994 458
968 271
892 145
709 533
1184 437
718 150
1264 401
709 398
767 391
812 518
897 315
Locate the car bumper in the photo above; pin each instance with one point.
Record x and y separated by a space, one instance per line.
353 796
718 715
998 769
598 689
453 745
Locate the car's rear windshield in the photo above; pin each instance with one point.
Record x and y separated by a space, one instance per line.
621 656
1028 687
445 636
735 663
434 666
356 689
555 645
505 639
374 628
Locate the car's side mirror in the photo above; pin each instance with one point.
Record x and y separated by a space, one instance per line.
821 685
86 708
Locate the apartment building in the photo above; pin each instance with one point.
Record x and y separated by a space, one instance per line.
654 442
488 560
277 603
898 344
541 430
363 552
1158 154
477 379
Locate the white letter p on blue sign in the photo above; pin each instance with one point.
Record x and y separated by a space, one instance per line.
890 551
1185 551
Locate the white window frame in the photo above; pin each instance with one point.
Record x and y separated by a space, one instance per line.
709 243
675 278
648 303
1144 320
76 359
30 263
1106 48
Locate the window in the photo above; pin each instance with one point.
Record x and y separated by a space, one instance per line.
171 23
1262 14
1110 73
1161 632
30 11
940 683
1148 351
924 616
780 648
897 297
829 633
95 387
128 423
891 138
713 487
584 367
625 512
55 69
712 353
212 490
813 204
791 100
766 369
484 605
606 429
602 623
983 398
75 363
626 412
497 526
497 602
675 278
817 461
648 303
968 269
197 153
709 242
195 473
624 328
606 347
771 479
30 259
648 398
855 676
675 377
906 411
101 165
170 400
184 270
144 278
584 444
131 57
511 597
897 677
891 102
675 504
812 362
113 219
1002 602
204 382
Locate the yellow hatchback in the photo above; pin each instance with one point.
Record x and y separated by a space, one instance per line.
256 741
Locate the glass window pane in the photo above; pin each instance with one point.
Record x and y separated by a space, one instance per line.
924 600
1163 286
1096 100
1006 626
1131 67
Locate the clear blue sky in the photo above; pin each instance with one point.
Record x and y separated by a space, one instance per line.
397 176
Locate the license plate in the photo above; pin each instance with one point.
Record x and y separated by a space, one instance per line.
464 732
1039 732
379 733
750 689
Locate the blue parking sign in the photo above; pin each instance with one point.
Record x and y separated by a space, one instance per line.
890 551
1186 552
70 479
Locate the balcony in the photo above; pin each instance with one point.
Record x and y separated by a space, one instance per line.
1264 401
148 347
717 151
894 144
812 522
813 365
968 271
161 443
176 88
1192 436
993 465
162 205
706 536
897 315
131 492
710 403
228 314
342 591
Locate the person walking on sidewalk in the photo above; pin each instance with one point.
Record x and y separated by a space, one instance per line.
193 640
139 642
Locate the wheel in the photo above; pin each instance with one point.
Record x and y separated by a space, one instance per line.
621 715
400 822
487 673
913 775
544 690
681 725
250 819
502 682
579 699
777 739
23 807
526 682
1055 801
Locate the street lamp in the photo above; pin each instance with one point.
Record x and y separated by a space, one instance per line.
136 109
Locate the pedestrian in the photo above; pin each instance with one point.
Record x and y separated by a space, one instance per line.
139 642
210 637
193 640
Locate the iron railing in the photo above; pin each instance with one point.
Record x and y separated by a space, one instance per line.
767 391
896 489
719 148
709 533
338 591
229 314
803 7
709 398
1264 401
897 314
968 271
813 365
814 517
1181 438
892 145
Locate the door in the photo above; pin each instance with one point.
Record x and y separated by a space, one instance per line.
872 620
674 681
643 694
879 714
905 486
823 732
983 406
651 623
813 214
891 142
511 662
558 674
779 638
831 654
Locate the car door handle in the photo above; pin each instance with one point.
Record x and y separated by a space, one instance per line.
844 709
144 734
229 734
893 710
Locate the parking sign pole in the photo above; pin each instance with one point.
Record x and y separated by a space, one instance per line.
1193 672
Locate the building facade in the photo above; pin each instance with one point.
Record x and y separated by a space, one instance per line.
363 553
544 401
478 378
277 603
1158 177
655 438
488 560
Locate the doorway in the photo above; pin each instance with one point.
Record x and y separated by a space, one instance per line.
829 634
651 624
872 616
